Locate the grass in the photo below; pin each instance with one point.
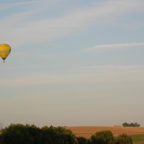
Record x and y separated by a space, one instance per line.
138 139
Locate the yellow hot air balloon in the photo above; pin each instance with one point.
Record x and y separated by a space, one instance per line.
5 50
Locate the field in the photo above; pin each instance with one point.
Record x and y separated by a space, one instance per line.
138 139
87 131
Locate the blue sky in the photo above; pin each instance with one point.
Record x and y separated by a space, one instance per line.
72 62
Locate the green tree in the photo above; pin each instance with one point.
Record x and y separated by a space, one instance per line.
29 134
59 135
104 137
82 140
131 124
123 139
20 134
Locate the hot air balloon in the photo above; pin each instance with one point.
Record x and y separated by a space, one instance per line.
5 50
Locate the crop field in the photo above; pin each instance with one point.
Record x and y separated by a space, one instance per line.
138 139
87 131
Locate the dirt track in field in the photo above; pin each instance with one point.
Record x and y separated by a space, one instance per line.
87 131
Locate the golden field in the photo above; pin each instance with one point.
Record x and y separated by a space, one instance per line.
87 131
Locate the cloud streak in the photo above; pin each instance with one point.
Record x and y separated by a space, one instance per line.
17 31
16 4
115 46
104 74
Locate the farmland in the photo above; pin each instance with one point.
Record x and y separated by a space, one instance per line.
87 131
138 139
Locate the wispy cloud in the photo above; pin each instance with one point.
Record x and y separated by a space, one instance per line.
16 4
114 46
121 67
106 74
19 32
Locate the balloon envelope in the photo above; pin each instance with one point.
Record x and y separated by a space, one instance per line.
5 50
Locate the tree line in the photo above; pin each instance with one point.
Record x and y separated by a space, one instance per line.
30 134
131 124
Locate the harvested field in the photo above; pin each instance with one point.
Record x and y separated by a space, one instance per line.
87 131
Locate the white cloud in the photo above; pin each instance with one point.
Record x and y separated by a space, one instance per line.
17 32
115 46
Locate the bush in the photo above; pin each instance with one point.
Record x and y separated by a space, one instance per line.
123 139
104 137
